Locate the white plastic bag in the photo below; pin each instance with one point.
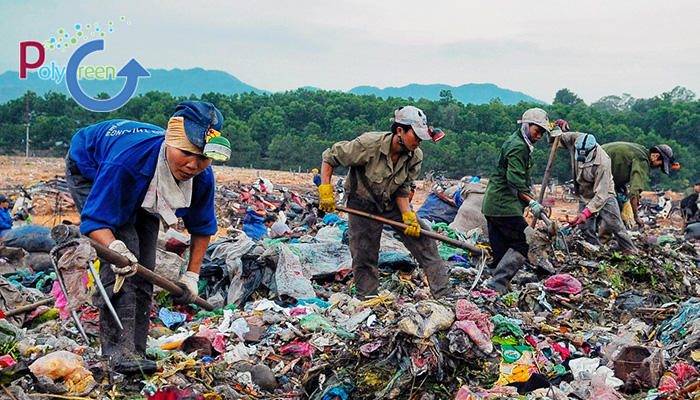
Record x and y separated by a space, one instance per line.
290 277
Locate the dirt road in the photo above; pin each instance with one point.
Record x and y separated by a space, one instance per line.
28 171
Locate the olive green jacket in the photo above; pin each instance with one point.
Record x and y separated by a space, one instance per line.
511 177
630 165
373 179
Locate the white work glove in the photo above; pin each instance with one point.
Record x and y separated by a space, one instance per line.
188 281
121 273
536 208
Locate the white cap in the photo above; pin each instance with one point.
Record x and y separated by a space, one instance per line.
413 116
536 116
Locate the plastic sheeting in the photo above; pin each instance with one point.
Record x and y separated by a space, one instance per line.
469 215
30 238
323 260
330 233
253 225
224 265
12 297
437 209
673 329
169 266
692 231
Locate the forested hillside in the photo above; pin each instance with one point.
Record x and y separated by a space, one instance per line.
290 130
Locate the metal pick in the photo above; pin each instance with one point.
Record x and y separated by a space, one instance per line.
103 292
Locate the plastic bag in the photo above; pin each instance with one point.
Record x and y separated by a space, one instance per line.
475 334
73 264
582 366
367 349
425 318
563 283
684 372
170 318
518 364
601 391
290 277
66 365
240 352
466 310
329 233
673 329
173 393
667 383
6 361
314 322
504 327
354 321
626 337
240 328
299 349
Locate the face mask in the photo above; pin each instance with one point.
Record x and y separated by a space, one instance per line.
585 155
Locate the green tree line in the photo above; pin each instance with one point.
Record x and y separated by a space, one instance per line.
290 130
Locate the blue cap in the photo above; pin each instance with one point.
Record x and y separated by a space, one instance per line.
199 117
585 144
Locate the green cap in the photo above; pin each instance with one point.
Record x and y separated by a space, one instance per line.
218 149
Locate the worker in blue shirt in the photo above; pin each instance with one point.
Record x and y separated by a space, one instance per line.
317 178
5 218
126 178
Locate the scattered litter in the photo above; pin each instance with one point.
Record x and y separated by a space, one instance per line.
579 322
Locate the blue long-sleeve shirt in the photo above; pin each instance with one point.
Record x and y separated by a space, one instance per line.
120 157
5 219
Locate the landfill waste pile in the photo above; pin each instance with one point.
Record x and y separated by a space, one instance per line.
581 322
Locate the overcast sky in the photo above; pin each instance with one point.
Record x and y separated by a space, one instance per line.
594 48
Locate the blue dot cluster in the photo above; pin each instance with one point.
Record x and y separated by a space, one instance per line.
64 39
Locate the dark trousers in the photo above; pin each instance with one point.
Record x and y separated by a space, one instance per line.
610 214
505 233
365 234
133 302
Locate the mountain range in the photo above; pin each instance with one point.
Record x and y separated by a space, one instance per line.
198 81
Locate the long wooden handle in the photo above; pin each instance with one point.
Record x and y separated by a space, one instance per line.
121 261
28 307
476 250
547 171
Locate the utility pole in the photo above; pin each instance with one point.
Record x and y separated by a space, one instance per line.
26 151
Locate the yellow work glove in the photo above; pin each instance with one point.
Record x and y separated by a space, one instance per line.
325 196
410 219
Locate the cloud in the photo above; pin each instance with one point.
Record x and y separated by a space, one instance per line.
595 48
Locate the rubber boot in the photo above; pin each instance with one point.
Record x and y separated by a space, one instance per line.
125 347
138 366
506 269
438 280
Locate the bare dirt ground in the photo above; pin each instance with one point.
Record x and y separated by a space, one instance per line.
29 171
